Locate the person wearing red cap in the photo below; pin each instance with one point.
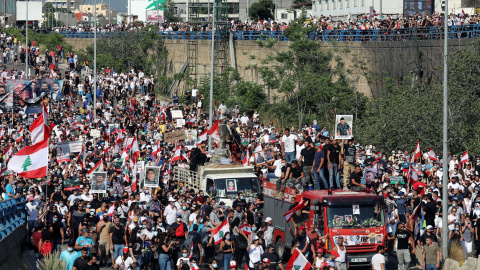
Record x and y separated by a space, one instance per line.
124 261
319 261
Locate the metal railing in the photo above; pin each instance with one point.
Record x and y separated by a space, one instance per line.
12 215
400 34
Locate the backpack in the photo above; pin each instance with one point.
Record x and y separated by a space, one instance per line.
46 248
179 232
188 242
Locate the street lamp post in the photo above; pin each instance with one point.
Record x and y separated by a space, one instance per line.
26 43
95 62
212 72
445 136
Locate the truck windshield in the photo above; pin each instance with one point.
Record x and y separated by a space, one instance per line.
355 216
231 186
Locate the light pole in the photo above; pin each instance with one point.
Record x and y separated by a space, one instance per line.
26 43
212 72
445 136
95 62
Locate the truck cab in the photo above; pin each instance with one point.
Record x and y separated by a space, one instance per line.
356 216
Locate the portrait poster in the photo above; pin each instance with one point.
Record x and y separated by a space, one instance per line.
231 185
152 176
259 158
356 209
268 154
190 138
99 182
343 127
112 128
369 176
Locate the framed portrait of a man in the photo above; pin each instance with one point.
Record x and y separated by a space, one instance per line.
231 185
152 176
99 182
259 158
343 127
268 154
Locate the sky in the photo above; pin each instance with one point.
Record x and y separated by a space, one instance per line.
117 5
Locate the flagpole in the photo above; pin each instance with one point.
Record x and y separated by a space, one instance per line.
445 135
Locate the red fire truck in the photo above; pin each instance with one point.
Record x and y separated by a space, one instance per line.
357 216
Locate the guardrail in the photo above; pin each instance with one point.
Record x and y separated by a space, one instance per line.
401 34
12 216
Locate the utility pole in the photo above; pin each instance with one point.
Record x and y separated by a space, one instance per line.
445 136
212 73
26 44
95 63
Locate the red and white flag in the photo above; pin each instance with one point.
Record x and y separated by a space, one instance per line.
202 137
111 210
378 156
178 155
288 215
119 138
416 153
134 150
412 174
106 103
214 131
39 130
31 161
246 159
8 153
220 231
246 229
2 134
77 125
464 158
18 136
432 156
298 262
97 168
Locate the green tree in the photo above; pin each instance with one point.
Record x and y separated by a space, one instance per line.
303 78
49 14
261 10
170 14
26 163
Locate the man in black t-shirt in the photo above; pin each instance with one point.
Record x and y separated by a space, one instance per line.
356 179
81 262
349 152
295 175
273 258
334 159
117 238
307 156
403 238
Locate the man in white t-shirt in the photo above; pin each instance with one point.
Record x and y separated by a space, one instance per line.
124 262
32 208
288 145
170 212
194 94
378 260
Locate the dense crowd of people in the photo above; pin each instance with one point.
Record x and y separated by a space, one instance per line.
132 226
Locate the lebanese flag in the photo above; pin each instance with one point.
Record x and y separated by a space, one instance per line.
81 158
246 229
31 161
124 157
378 156
463 13
164 114
220 231
178 154
106 103
245 160
39 129
2 133
416 153
190 121
134 149
202 137
111 210
412 175
18 136
432 156
119 138
288 215
155 149
464 158
8 153
214 131
97 168
105 154
297 261
132 107
77 125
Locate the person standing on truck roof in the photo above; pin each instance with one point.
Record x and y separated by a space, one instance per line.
349 152
288 145
341 261
318 167
334 162
307 156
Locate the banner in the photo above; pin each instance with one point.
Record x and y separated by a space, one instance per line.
25 96
69 147
174 136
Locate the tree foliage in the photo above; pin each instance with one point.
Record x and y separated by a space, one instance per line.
303 77
261 10
138 50
399 117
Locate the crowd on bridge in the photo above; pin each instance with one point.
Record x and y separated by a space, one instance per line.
95 201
